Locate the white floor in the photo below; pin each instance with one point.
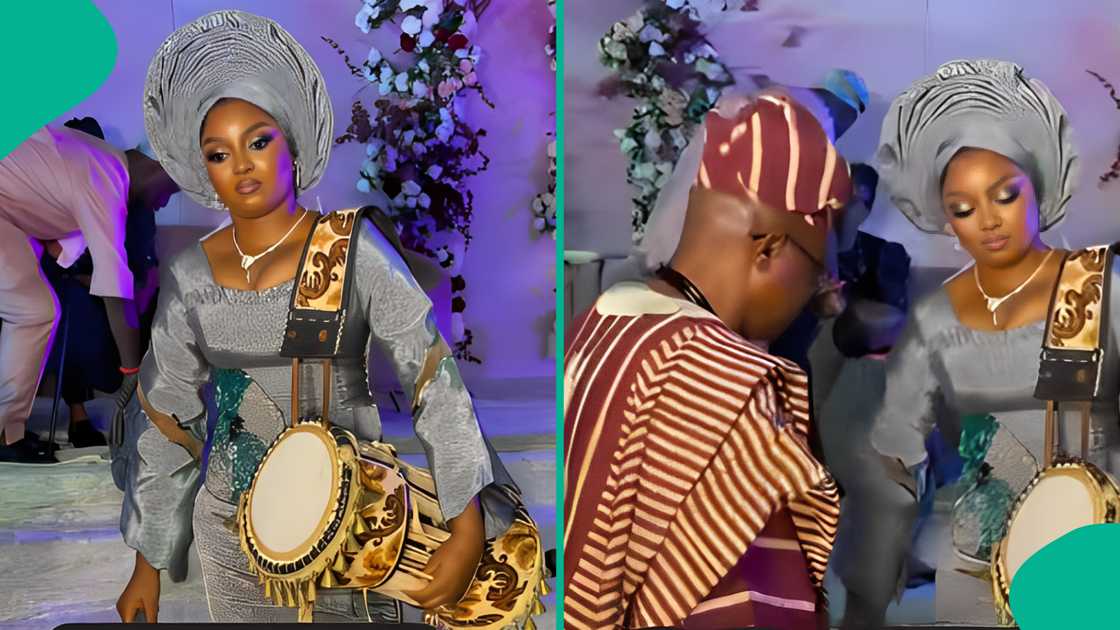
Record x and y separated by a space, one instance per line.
61 555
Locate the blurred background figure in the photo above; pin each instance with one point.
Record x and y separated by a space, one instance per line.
64 190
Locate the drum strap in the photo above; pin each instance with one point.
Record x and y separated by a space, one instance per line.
1076 323
321 295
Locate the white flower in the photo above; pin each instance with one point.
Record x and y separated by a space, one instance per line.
411 202
408 5
538 204
384 88
374 57
444 131
627 145
674 4
402 82
368 73
434 171
655 50
634 22
363 185
615 49
651 33
425 201
361 20
419 89
432 13
652 140
539 224
411 188
462 53
369 167
408 136
426 39
373 147
411 25
469 24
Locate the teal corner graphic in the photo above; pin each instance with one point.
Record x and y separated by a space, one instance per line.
55 55
1070 583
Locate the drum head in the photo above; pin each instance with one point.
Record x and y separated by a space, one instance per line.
294 493
1059 503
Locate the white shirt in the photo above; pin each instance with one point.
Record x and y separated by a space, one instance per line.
68 186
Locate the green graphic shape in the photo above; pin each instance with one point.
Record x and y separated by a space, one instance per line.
55 55
1070 583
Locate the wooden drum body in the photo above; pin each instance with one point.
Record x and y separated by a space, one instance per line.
1061 498
325 512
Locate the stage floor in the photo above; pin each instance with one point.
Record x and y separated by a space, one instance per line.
61 555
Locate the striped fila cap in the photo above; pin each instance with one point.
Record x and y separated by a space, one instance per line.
774 151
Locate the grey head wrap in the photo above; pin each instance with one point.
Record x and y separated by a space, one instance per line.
980 104
233 54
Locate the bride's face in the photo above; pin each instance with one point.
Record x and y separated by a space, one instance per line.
247 158
991 206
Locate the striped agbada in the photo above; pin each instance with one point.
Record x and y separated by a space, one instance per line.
692 499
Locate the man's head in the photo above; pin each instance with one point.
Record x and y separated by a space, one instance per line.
763 211
149 186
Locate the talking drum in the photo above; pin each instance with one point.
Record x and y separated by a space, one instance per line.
1063 497
367 520
1068 492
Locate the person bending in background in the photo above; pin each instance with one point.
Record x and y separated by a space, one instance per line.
71 190
91 356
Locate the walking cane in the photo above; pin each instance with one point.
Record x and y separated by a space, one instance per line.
61 364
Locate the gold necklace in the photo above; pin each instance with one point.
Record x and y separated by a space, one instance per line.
993 303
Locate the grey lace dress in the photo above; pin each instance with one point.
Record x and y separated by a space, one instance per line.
938 372
205 332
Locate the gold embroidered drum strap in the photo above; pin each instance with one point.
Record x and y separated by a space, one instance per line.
1069 366
323 283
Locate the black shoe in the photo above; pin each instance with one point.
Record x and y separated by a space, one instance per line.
83 434
26 451
35 439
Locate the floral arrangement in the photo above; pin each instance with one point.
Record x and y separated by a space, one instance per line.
544 204
1114 170
550 47
419 150
662 59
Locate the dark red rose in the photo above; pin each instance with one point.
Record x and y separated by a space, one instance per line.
407 43
457 41
442 34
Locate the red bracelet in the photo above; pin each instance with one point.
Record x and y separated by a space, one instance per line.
129 371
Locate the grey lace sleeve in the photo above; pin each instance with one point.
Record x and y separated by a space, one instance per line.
158 477
912 400
400 318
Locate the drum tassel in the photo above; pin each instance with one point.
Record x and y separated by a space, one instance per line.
339 566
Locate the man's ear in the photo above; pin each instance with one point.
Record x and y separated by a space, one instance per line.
769 247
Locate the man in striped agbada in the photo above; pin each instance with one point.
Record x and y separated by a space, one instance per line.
692 497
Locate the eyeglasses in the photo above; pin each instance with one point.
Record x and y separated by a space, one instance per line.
825 281
816 261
